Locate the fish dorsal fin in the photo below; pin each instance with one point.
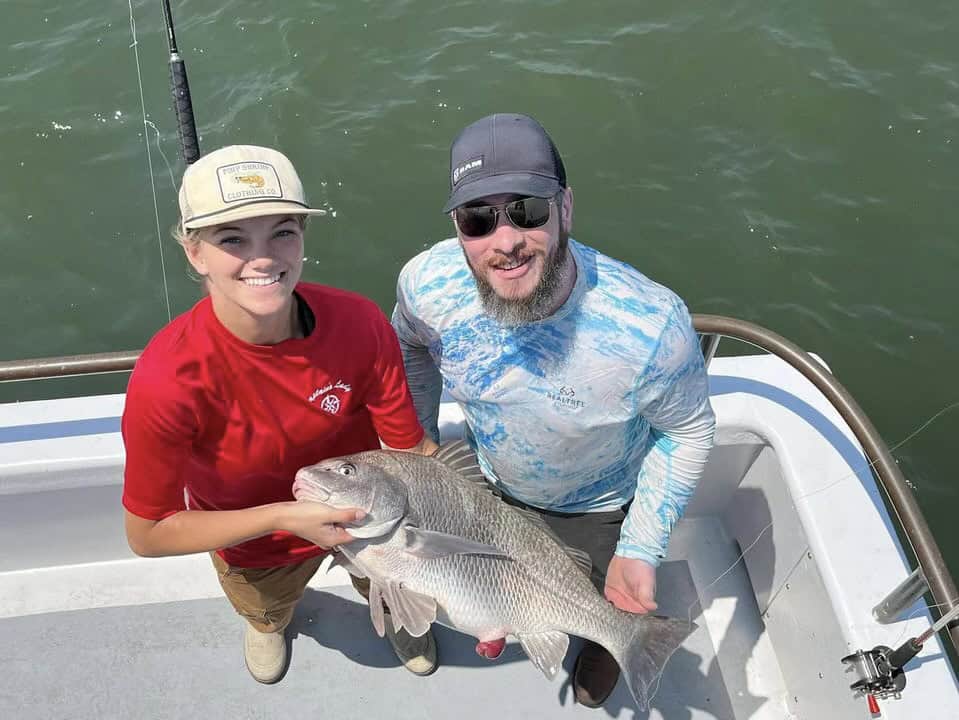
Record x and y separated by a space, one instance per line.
460 457
429 545
580 557
546 650
409 609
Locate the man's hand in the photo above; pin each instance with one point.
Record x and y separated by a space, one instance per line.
426 446
631 585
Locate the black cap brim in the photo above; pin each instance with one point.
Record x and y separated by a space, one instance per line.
527 184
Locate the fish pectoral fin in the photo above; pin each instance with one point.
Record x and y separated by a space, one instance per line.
546 650
340 560
428 545
409 609
376 607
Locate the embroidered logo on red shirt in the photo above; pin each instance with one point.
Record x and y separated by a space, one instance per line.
330 402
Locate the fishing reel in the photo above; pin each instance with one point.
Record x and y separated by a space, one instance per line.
880 670
879 674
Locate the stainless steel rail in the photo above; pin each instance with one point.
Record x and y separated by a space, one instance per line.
53 367
911 519
711 329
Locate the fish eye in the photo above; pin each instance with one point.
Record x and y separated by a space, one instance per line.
346 469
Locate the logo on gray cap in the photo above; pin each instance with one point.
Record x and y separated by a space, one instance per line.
467 167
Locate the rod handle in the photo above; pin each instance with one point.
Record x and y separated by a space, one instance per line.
904 653
183 106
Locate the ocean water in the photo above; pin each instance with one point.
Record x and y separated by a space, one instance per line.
793 164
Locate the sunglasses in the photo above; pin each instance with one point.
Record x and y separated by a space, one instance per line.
479 220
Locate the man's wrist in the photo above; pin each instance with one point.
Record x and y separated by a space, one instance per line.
628 551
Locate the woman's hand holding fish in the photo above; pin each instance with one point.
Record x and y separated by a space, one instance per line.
319 523
631 585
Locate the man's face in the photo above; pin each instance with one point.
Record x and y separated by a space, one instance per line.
520 271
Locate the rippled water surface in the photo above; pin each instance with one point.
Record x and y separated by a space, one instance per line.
794 164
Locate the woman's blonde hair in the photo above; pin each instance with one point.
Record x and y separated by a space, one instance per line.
184 237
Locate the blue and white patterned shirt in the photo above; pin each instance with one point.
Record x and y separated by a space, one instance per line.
604 401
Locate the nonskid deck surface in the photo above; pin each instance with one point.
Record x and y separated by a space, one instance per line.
184 660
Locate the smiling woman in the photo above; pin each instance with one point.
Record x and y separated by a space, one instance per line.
231 398
250 268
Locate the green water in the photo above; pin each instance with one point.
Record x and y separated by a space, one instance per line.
793 164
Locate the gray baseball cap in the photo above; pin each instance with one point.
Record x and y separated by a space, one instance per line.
502 154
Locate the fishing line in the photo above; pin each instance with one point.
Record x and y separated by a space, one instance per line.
898 445
918 430
855 473
916 613
843 478
848 476
166 162
146 140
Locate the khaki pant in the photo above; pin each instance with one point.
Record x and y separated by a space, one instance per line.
266 597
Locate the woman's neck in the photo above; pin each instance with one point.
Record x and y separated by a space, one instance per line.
259 330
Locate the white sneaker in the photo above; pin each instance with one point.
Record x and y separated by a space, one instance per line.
265 654
418 654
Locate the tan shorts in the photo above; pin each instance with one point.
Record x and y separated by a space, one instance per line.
266 597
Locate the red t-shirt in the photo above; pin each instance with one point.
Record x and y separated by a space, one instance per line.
214 423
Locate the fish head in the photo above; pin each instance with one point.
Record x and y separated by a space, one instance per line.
352 483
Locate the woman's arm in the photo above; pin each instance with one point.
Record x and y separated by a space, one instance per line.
193 531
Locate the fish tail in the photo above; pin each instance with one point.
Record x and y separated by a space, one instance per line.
652 641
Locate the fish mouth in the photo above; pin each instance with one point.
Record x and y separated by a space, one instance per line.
306 490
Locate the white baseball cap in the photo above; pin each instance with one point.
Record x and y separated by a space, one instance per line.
238 182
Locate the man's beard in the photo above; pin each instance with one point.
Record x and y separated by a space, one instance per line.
538 304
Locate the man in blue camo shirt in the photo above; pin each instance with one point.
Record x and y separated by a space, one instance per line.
581 380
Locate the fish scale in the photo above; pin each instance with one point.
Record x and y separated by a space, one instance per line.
505 589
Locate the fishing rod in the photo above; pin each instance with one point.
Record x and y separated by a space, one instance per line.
182 103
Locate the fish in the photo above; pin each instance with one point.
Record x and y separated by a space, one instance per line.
438 545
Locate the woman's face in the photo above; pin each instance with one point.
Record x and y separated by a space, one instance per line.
251 267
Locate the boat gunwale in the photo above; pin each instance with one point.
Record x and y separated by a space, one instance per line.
907 513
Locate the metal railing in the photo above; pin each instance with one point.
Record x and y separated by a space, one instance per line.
932 568
69 365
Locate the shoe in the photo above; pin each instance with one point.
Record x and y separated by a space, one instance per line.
418 654
594 676
265 654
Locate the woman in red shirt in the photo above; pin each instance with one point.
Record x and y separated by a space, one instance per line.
263 376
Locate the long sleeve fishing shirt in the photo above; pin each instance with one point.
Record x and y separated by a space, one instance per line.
603 402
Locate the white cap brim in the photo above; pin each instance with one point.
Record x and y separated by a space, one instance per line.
256 208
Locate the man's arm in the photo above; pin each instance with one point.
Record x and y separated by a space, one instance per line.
675 400
422 374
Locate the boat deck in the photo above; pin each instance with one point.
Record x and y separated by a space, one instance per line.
91 631
183 658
